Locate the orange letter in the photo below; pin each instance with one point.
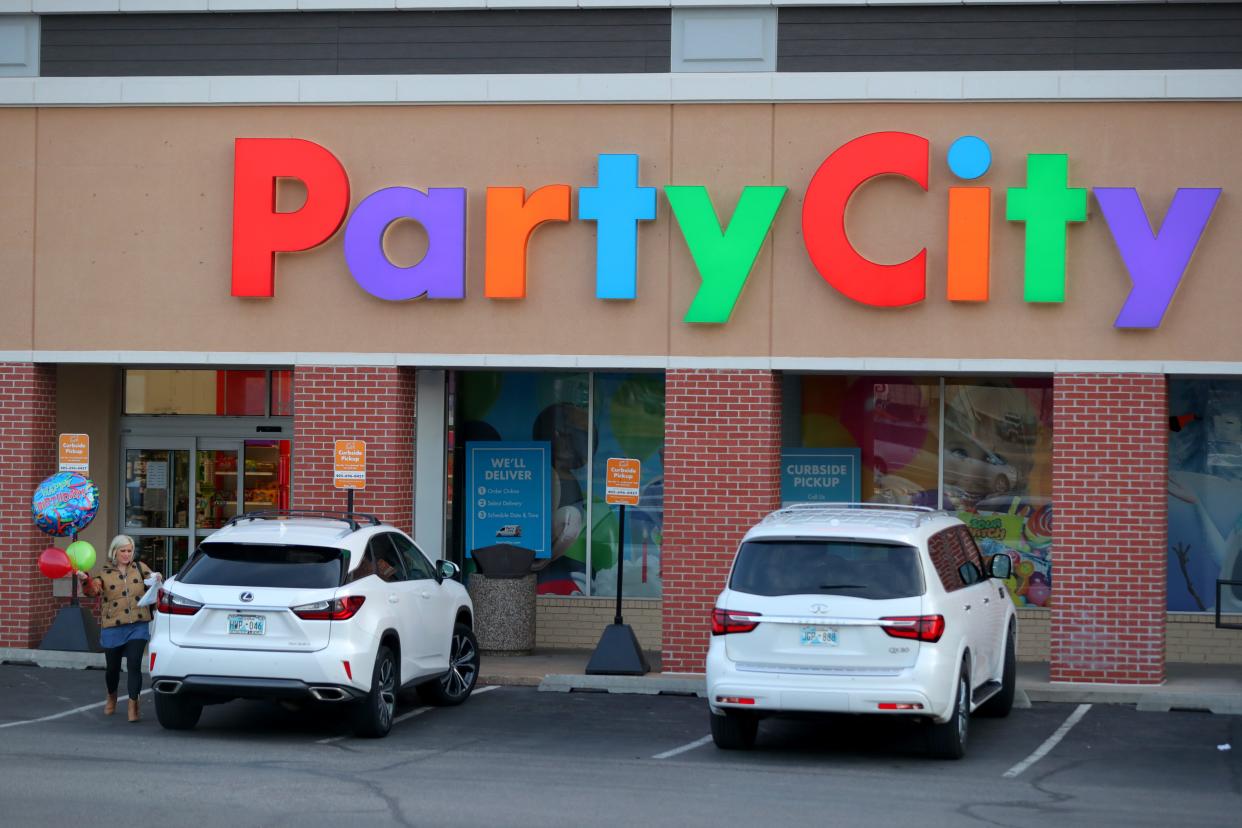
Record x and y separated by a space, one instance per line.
969 241
511 218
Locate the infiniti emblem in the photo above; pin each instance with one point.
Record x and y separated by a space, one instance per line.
247 597
819 609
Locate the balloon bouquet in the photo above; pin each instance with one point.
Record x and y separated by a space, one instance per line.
63 505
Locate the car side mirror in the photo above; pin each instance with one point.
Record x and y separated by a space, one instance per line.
446 570
1000 566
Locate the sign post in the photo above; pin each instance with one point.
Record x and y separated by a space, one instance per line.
349 468
618 652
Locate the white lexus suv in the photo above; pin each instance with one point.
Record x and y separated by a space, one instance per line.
306 605
861 608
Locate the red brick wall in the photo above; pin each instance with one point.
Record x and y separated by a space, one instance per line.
375 405
1109 483
722 440
27 456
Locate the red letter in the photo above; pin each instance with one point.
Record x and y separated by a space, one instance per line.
823 219
259 232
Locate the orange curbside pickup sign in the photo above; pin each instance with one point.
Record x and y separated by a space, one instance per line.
349 467
75 453
621 482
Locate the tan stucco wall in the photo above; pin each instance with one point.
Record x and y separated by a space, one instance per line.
133 215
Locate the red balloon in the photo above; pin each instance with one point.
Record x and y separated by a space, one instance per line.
54 563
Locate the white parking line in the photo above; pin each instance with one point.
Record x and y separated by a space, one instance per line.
1049 743
696 743
418 711
62 715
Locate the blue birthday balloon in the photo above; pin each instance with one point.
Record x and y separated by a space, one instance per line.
64 503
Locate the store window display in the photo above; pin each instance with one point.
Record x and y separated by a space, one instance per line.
582 419
980 447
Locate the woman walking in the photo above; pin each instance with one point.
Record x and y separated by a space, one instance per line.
125 626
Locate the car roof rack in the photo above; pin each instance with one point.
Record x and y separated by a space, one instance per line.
351 518
891 513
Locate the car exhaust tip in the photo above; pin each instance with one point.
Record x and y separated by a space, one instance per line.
329 694
167 686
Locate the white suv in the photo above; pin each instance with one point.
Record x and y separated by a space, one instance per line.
303 605
861 608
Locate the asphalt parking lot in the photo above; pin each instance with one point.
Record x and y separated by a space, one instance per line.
516 756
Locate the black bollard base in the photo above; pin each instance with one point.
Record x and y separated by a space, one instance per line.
74 629
618 654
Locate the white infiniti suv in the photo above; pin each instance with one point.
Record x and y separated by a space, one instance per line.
303 605
861 608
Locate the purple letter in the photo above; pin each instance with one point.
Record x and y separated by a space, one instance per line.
442 272
1156 262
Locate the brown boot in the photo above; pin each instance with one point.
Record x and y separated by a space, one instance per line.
134 716
110 704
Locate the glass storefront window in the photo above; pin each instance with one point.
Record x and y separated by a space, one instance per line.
157 488
981 447
580 428
1205 494
233 393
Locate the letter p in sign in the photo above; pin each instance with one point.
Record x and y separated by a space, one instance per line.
621 481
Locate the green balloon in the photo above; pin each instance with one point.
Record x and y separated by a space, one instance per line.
81 555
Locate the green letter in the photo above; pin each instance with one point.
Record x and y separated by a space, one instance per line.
1046 204
724 259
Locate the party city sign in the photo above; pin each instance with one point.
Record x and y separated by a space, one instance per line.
1047 206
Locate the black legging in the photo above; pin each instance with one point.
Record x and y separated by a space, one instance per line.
132 650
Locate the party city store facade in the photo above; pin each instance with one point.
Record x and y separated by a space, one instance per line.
1002 291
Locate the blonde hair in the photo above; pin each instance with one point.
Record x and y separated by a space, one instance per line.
118 542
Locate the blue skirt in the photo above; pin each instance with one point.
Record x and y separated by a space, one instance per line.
112 637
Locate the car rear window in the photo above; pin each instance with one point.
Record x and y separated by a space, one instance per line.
860 569
261 565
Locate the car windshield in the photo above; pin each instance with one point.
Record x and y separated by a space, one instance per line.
861 569
263 565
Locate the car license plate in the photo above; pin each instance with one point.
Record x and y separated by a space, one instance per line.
819 636
247 625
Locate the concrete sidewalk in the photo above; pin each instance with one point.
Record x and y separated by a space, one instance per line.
1205 687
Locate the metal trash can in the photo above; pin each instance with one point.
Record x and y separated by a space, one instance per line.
503 591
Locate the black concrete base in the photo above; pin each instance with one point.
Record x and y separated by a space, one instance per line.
74 629
618 654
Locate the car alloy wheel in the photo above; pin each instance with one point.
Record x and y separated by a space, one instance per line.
463 667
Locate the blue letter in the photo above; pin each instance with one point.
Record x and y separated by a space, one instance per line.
617 204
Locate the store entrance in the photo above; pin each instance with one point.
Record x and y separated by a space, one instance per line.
178 490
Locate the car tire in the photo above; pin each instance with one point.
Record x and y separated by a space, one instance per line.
998 706
176 712
373 714
457 683
948 739
734 730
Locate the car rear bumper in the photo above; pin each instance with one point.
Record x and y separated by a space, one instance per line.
261 674
927 689
238 687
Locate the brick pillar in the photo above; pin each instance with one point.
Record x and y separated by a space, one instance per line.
1109 482
375 405
722 442
27 456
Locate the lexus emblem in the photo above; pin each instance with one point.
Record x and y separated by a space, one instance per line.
247 597
819 609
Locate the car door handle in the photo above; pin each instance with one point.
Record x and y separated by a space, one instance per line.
425 594
392 599
987 600
967 608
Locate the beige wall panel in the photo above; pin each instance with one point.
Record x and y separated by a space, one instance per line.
724 148
145 252
87 402
1154 147
17 171
135 206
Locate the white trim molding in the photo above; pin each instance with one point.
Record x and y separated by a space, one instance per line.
837 365
676 87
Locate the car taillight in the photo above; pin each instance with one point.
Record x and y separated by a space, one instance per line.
170 604
339 609
915 627
725 621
